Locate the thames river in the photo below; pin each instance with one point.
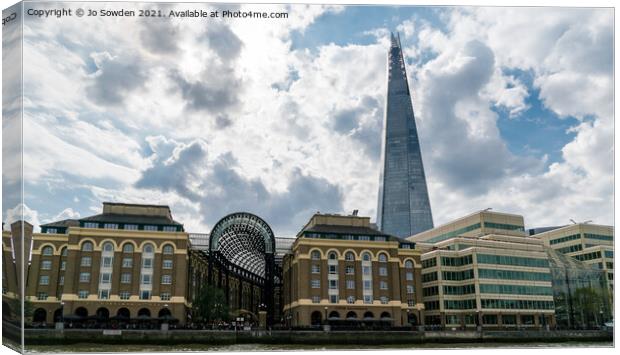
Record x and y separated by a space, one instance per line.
84 348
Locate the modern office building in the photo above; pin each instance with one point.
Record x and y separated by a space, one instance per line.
580 293
342 272
494 281
484 270
403 207
590 243
128 263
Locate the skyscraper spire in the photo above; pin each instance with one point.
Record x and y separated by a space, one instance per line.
403 207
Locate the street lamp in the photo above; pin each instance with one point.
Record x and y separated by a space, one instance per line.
325 314
62 312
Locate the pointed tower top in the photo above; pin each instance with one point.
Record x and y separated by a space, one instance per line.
394 40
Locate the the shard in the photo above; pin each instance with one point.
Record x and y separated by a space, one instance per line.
404 208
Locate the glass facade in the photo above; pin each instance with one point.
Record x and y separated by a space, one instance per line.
580 293
403 207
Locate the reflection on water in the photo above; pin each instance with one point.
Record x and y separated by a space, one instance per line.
272 347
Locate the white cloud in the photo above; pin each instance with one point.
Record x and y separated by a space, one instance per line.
298 117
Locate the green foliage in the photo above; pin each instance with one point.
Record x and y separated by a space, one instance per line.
210 305
16 306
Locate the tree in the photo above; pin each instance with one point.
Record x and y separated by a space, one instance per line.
16 306
210 304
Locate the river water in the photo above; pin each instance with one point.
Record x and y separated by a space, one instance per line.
86 348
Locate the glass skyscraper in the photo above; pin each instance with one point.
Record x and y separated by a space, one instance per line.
404 208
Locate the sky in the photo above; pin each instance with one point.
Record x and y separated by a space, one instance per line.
283 117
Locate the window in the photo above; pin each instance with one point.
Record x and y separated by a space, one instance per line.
166 279
383 271
428 263
409 289
409 276
349 270
383 285
367 299
411 303
91 225
168 249
384 300
409 264
104 294
145 295
379 239
132 227
363 237
86 261
44 280
167 264
333 284
169 228
366 270
61 280
127 262
333 269
315 283
64 252
47 251
107 261
148 249
350 284
316 299
87 246
108 247
128 248
349 256
366 257
316 255
125 278
46 265
63 265
124 295
165 296
367 285
316 269
106 278
333 298
52 230
110 226
382 258
84 276
150 228
147 263
350 299
146 279
83 294
41 296
333 256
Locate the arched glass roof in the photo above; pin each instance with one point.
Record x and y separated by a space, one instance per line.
243 239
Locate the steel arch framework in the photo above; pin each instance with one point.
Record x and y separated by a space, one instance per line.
245 241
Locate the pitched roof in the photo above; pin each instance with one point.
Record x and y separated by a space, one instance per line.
130 218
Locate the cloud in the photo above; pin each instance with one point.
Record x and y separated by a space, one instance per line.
206 95
160 35
176 172
21 212
115 78
219 188
223 41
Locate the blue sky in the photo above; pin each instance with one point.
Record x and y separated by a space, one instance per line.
283 118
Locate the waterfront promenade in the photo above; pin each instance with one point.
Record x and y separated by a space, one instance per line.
363 338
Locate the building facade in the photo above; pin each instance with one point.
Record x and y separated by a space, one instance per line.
494 281
342 271
590 243
125 265
403 205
